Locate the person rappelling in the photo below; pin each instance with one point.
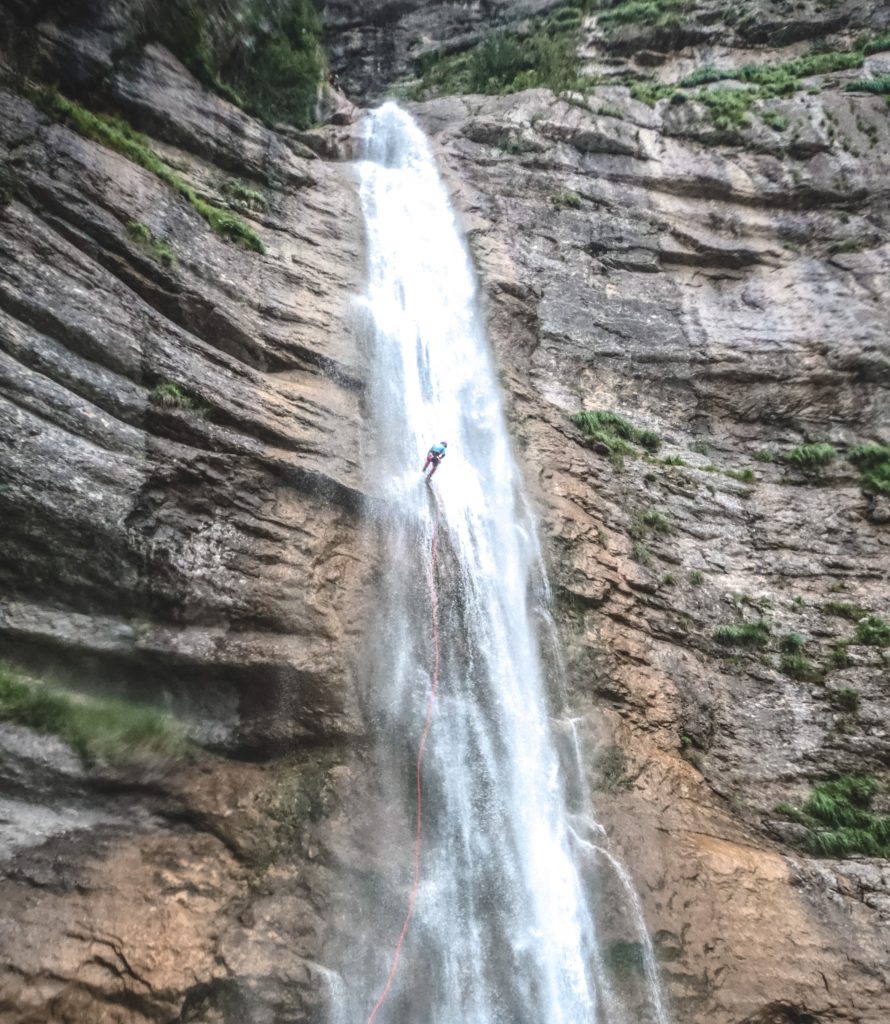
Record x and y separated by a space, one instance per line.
433 457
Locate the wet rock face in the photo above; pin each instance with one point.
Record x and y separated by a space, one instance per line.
225 383
726 294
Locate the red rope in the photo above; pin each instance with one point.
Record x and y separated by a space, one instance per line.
430 708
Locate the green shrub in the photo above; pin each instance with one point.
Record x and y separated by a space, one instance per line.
848 699
696 577
873 463
839 657
811 457
116 134
668 580
112 730
872 632
542 56
745 634
673 460
778 122
642 12
844 610
728 107
641 553
792 643
799 667
268 60
840 821
241 197
656 522
881 85
745 476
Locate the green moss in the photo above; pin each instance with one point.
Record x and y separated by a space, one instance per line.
745 634
872 632
267 59
873 463
840 821
623 957
116 134
570 200
810 457
159 250
112 730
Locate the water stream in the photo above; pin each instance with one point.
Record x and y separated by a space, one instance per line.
505 930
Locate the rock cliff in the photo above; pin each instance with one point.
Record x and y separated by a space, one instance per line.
182 492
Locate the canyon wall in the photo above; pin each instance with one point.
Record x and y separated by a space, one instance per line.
182 496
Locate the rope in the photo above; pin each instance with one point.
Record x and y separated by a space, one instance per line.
428 721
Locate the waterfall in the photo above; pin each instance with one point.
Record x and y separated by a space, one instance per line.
504 929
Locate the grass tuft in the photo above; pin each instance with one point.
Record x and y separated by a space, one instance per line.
810 458
172 396
159 250
97 729
872 632
745 634
840 820
798 667
616 432
873 463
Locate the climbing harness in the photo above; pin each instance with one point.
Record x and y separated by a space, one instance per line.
428 721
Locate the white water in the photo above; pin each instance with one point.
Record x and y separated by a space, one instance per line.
503 930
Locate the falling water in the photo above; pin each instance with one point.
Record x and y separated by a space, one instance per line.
503 930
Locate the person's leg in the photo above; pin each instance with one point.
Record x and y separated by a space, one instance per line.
435 467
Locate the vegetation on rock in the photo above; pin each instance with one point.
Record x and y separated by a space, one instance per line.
96 728
270 62
616 433
159 250
745 634
839 818
873 463
116 134
811 457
